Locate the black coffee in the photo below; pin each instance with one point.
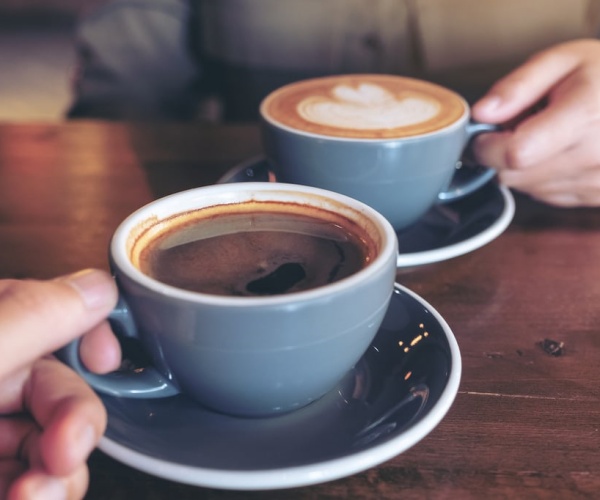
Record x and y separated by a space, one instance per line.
254 253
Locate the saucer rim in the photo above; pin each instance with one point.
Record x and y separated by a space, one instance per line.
308 474
415 259
466 246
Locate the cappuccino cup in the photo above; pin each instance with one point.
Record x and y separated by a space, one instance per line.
253 299
391 142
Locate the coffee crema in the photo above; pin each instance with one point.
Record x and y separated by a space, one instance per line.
364 106
252 249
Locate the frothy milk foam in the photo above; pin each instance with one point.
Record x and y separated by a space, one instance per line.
367 106
364 106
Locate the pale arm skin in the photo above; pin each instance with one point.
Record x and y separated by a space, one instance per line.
553 151
50 420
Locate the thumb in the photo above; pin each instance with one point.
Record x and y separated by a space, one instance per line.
38 317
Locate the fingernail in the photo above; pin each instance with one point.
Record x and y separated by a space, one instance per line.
489 104
510 178
86 441
49 488
95 289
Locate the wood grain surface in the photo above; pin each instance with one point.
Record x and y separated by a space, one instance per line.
525 424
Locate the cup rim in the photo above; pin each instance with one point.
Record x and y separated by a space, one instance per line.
448 128
185 200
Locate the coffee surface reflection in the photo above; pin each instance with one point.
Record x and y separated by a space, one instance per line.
239 251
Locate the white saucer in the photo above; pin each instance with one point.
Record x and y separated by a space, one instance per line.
396 395
446 231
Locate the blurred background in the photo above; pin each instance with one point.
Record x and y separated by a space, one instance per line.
37 56
464 44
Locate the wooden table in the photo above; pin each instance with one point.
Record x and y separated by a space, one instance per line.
525 423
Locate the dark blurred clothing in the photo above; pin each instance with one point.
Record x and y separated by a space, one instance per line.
182 60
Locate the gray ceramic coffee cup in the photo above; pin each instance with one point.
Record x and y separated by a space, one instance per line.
249 356
401 177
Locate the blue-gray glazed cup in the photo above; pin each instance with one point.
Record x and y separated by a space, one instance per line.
402 170
248 356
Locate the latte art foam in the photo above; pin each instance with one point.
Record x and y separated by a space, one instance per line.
364 106
367 107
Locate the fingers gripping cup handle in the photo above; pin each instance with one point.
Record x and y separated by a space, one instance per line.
468 179
139 383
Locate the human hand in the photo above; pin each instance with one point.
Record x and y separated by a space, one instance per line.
50 420
553 150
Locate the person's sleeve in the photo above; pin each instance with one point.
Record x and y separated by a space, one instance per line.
134 62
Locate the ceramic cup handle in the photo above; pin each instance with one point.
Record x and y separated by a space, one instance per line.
470 178
139 383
